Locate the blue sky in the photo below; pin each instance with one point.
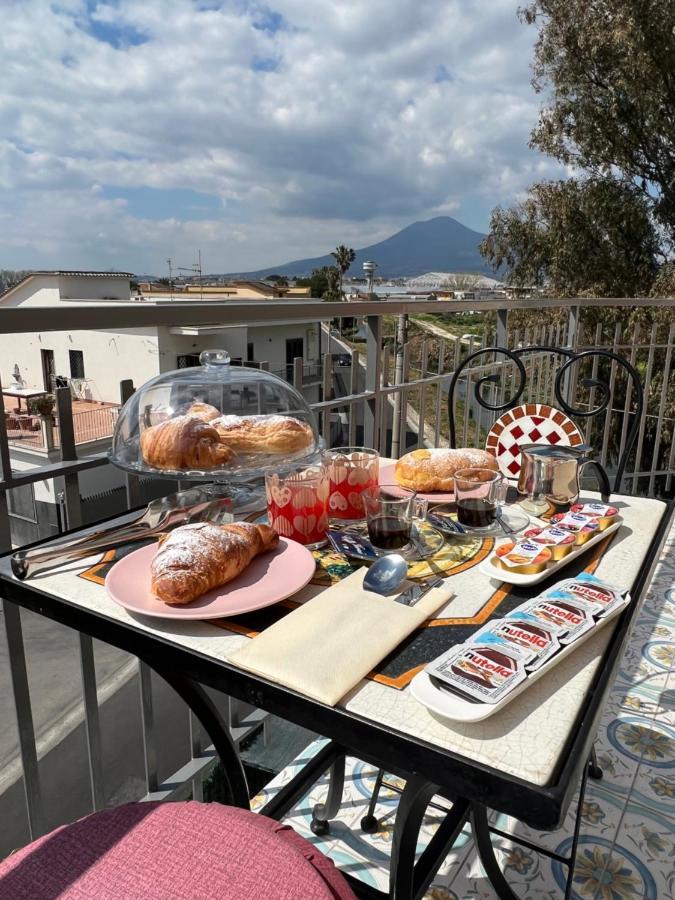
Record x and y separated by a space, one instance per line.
136 131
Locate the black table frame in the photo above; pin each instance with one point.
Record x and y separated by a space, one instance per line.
427 769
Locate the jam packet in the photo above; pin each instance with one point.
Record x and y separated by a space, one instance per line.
479 672
523 633
603 598
570 617
525 556
597 510
577 523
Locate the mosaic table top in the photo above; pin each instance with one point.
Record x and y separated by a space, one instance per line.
523 740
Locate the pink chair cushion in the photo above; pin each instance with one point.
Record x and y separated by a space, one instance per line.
171 851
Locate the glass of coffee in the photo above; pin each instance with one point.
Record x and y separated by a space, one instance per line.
479 494
389 515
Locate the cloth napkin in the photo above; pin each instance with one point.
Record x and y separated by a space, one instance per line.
326 646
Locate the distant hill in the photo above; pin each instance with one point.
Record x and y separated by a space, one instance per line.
438 245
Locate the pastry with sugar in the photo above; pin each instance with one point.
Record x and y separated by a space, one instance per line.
427 471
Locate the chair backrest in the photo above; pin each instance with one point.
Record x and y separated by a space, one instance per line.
564 387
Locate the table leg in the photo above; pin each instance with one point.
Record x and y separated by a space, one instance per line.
324 812
415 798
196 698
486 853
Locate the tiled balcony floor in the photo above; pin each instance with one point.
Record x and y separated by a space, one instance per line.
627 843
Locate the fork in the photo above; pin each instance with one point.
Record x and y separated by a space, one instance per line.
417 591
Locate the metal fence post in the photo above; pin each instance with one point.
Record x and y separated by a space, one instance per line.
502 327
372 409
64 408
132 482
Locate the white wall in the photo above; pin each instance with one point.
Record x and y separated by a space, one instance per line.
269 342
171 346
41 290
109 357
90 287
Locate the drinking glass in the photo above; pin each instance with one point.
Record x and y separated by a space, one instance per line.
479 494
353 471
297 504
389 516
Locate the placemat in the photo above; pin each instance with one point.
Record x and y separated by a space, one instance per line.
425 644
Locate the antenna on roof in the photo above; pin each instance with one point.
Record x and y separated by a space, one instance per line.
196 269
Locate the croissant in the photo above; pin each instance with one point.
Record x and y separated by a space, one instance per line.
264 434
184 442
196 558
203 411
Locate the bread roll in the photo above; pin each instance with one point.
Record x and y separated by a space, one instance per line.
427 471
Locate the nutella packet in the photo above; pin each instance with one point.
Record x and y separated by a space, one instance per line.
479 672
602 597
571 617
524 629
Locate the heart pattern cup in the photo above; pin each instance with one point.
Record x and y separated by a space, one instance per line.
353 472
297 504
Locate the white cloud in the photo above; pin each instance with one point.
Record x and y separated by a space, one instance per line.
333 127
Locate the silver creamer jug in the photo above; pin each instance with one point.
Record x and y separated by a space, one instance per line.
549 475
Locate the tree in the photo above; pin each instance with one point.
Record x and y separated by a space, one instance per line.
608 69
10 277
344 257
322 283
279 280
591 237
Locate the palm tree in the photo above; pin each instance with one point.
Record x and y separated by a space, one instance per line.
344 257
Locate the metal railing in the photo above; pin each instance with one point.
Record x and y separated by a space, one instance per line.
357 405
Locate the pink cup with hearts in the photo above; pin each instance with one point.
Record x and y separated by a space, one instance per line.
297 505
353 472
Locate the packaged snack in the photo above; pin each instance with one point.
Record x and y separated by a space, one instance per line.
526 634
525 557
479 672
600 596
559 541
571 617
603 512
583 527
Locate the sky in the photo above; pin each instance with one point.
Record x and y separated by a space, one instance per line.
133 131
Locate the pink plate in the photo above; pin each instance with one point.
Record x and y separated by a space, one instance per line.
271 577
388 477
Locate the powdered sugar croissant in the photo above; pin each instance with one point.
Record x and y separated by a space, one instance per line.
196 558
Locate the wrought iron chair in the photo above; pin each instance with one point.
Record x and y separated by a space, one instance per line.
564 396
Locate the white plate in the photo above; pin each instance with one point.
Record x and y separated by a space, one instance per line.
453 707
498 574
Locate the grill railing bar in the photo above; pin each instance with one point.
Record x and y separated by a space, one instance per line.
148 726
92 721
24 719
353 389
662 404
643 423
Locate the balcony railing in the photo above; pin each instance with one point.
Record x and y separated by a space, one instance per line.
44 432
388 400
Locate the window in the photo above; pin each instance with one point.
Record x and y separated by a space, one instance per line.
294 347
48 369
21 502
76 363
250 353
188 360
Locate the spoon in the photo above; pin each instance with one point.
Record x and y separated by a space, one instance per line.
385 575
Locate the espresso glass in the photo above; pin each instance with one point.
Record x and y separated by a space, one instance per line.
479 494
389 516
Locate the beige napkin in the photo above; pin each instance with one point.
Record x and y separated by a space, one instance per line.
327 645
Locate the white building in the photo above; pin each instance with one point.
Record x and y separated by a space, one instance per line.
98 360
95 362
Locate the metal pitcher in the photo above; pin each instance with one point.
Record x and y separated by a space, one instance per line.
549 475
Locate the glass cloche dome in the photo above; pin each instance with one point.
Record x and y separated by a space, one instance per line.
214 422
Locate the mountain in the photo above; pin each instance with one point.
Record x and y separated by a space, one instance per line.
438 245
